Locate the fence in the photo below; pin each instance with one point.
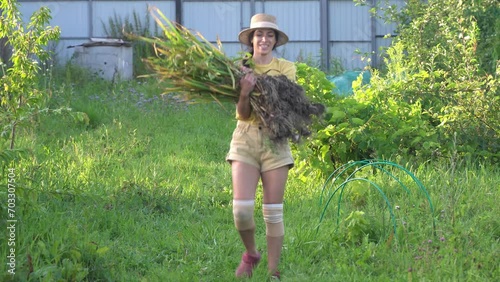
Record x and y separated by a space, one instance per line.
322 31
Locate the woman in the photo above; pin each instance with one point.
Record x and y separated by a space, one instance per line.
253 157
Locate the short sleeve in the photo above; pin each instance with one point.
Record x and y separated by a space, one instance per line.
289 70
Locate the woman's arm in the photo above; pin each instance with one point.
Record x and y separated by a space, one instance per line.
247 84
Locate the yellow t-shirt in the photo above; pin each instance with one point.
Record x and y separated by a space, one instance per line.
275 67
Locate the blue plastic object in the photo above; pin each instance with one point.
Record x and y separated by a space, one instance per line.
343 82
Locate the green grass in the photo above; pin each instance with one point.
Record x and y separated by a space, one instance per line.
142 193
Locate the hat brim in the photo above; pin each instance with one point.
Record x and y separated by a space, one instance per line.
244 36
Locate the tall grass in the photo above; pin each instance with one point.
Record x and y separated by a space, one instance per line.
128 28
141 192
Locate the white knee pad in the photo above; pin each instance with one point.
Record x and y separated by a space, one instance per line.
243 214
273 216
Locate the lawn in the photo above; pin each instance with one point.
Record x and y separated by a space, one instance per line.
141 192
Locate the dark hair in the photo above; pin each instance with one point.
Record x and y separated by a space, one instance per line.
250 46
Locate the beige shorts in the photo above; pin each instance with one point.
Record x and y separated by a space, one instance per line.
251 146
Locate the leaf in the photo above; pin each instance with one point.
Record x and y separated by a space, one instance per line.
324 151
337 115
357 121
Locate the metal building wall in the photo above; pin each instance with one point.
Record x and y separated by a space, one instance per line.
81 20
216 19
386 29
348 27
299 19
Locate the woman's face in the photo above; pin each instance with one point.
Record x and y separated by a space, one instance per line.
263 41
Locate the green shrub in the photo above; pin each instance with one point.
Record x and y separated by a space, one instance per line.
434 62
433 100
487 14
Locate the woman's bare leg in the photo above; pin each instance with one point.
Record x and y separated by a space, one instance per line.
273 183
245 180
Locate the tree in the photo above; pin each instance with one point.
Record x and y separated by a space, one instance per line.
20 99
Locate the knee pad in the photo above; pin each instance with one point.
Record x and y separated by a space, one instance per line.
243 214
273 217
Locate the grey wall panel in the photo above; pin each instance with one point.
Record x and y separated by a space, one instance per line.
299 19
232 49
301 51
104 10
349 22
225 20
213 19
347 55
384 27
71 17
349 26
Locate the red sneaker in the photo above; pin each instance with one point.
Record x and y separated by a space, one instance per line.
247 264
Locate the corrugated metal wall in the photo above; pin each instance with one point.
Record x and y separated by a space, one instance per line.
349 27
80 20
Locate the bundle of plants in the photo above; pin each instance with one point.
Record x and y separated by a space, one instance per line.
189 64
284 108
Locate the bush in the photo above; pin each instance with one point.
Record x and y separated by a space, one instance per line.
487 14
433 100
434 62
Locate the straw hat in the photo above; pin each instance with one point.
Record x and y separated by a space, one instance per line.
262 21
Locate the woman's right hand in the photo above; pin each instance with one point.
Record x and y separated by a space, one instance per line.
247 82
